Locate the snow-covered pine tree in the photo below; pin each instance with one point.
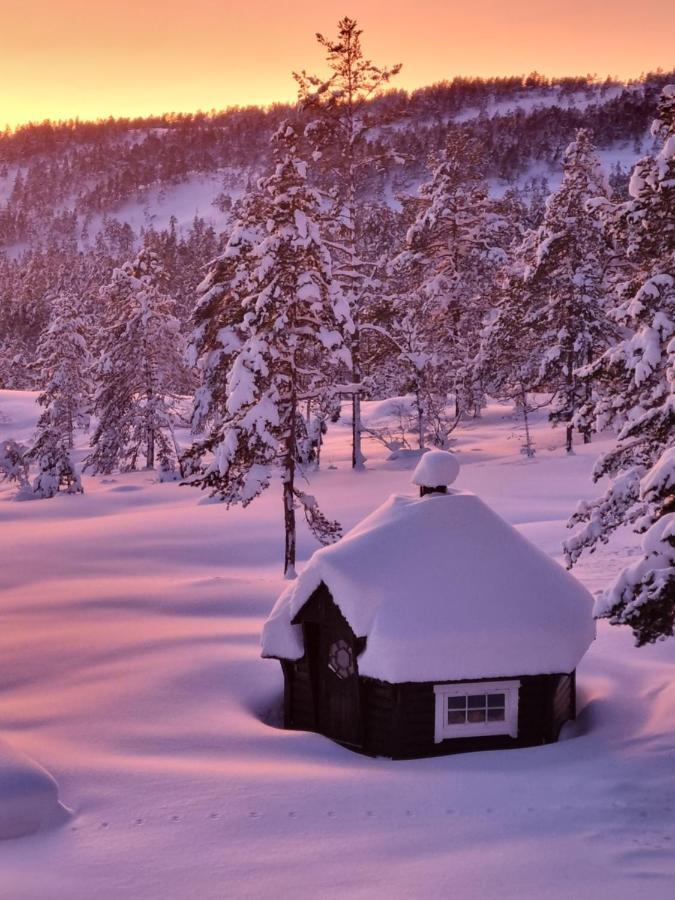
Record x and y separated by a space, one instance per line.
218 318
14 465
340 132
56 469
569 259
137 371
454 249
635 381
508 357
413 356
275 348
64 363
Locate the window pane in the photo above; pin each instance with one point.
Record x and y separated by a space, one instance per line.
495 715
456 702
476 715
341 659
456 717
496 700
477 701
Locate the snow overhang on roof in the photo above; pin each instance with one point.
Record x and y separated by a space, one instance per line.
443 589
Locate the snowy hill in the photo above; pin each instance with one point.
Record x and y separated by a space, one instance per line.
79 199
130 667
142 172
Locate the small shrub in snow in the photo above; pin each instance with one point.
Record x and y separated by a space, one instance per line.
56 470
14 464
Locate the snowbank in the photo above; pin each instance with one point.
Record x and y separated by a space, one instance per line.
28 796
129 661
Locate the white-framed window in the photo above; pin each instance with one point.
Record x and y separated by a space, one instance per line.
476 708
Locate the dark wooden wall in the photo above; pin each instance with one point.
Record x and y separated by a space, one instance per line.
397 720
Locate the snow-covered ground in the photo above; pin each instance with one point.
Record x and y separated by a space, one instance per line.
185 200
130 670
528 101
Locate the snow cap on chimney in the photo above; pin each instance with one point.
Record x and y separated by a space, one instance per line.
435 471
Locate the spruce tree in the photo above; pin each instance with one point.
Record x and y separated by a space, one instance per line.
64 364
14 463
454 249
56 469
341 133
137 372
268 339
509 348
635 381
218 318
566 276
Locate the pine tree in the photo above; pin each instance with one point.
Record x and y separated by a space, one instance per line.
267 338
139 367
340 133
566 277
454 249
64 364
56 469
14 464
218 318
508 357
636 384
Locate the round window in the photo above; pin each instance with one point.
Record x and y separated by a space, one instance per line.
341 659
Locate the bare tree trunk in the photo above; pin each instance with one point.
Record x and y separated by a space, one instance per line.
289 493
150 411
570 401
586 431
150 449
529 449
357 453
420 417
289 525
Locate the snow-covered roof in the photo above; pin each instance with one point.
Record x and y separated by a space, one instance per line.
443 589
436 468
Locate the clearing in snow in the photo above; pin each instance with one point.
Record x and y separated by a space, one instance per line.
130 668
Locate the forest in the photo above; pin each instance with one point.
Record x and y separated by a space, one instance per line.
456 244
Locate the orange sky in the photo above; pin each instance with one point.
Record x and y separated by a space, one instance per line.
91 58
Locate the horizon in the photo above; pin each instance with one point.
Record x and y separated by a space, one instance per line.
218 56
213 112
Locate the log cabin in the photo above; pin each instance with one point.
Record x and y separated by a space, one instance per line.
432 627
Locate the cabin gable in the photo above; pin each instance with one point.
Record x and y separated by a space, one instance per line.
324 685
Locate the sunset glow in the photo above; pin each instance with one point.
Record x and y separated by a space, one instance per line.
78 58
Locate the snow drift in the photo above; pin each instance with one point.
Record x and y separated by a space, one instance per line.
29 797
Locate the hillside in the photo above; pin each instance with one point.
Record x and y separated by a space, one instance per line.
71 175
78 199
